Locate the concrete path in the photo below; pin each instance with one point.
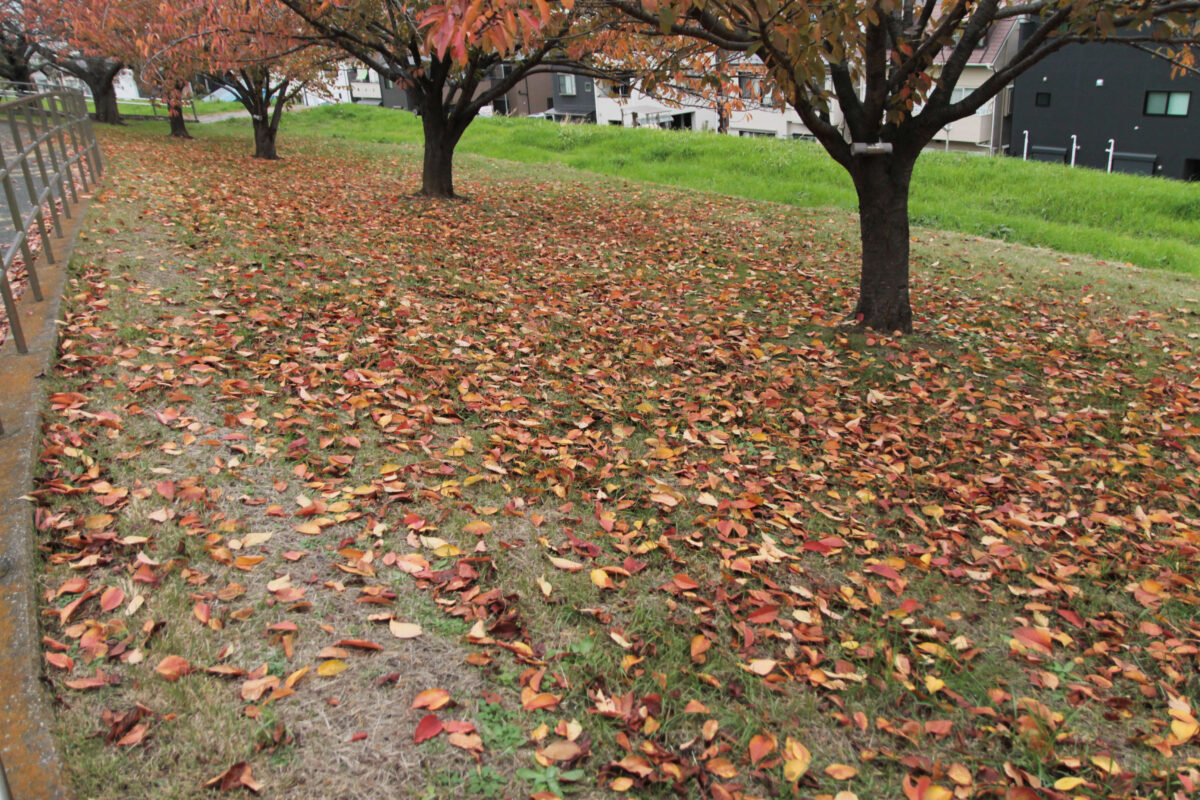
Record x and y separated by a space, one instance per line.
26 745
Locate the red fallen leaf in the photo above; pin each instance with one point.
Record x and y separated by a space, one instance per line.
458 726
429 727
111 598
885 571
165 489
361 644
135 735
685 583
760 747
358 737
1034 639
1070 616
61 660
83 684
235 776
72 586
172 668
202 612
939 727
534 700
764 615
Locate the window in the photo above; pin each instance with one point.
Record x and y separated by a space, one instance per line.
566 85
750 87
1042 100
961 93
1167 104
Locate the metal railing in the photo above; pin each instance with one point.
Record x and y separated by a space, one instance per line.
48 152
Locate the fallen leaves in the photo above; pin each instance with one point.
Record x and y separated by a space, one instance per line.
743 506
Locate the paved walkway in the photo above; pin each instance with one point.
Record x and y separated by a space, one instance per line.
26 743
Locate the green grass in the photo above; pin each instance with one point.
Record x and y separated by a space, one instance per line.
202 107
1149 222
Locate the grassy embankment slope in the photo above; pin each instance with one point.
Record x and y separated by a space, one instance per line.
1150 223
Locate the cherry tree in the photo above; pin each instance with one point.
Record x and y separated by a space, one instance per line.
891 67
92 40
261 52
454 57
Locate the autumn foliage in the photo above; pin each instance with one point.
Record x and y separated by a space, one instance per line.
582 484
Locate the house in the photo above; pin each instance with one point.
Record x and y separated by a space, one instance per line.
985 131
1109 99
543 94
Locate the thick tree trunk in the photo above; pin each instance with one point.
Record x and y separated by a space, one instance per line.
104 96
264 138
882 183
437 175
175 117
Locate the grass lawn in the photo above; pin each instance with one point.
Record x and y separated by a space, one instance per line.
202 107
579 488
1076 211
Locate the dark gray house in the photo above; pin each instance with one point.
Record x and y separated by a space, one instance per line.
1109 97
574 97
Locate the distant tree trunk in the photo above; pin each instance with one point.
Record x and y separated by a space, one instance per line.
175 113
722 117
264 138
441 137
882 183
14 59
104 96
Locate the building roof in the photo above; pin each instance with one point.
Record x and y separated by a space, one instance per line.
993 44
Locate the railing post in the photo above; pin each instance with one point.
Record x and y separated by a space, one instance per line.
36 145
21 233
86 164
41 221
60 122
48 137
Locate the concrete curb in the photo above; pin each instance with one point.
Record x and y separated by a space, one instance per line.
27 747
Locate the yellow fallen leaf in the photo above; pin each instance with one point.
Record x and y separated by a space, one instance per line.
545 586
334 666
841 772
601 579
1067 784
1106 764
1184 729
796 759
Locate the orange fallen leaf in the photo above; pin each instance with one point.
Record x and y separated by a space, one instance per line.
841 772
433 699
172 668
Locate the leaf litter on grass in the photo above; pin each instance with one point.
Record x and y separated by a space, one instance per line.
580 488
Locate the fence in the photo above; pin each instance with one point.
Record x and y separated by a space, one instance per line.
49 151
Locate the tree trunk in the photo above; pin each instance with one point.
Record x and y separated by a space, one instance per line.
175 117
104 96
722 117
437 176
264 137
882 183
